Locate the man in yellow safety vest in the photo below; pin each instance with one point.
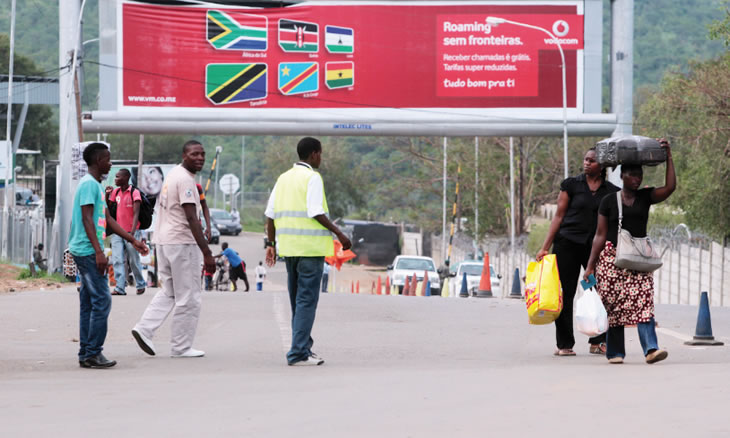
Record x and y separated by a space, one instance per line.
298 224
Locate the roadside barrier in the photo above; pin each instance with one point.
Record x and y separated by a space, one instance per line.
485 283
516 286
703 332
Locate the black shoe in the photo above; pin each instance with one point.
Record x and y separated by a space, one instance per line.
82 364
99 361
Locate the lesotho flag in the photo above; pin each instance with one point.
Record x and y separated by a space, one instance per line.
298 36
339 39
298 77
232 83
245 32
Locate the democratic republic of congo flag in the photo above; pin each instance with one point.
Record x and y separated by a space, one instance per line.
231 83
298 36
339 74
298 77
245 32
339 39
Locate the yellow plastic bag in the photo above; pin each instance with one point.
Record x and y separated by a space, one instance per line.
543 293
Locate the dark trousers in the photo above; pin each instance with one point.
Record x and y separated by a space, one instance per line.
237 272
304 277
570 257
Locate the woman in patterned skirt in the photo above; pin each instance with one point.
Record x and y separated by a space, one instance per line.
628 295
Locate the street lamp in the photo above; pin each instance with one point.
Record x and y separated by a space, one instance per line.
496 21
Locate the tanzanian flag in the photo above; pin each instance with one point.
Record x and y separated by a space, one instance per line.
231 83
339 39
298 36
246 32
298 77
339 74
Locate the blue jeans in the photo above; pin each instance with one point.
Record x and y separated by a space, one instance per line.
119 248
95 304
304 276
615 346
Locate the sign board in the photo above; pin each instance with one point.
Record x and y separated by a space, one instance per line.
152 179
229 184
401 64
4 167
78 166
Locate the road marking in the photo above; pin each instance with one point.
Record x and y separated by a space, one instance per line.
280 314
674 334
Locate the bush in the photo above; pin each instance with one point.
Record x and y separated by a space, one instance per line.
536 238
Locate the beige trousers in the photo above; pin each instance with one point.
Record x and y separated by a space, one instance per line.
179 268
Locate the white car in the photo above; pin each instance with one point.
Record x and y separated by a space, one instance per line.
473 270
405 266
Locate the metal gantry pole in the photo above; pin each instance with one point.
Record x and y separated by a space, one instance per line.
512 201
443 219
243 169
476 192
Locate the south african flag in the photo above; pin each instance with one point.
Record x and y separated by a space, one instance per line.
236 31
231 83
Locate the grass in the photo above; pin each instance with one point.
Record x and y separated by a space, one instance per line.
54 277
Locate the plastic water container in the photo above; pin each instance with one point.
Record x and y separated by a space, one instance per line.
632 149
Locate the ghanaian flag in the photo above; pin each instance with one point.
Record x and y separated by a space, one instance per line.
339 74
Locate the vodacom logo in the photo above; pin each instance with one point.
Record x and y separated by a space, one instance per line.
561 28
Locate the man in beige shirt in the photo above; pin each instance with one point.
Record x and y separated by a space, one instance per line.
179 240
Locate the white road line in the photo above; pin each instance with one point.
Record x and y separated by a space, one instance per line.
674 334
282 319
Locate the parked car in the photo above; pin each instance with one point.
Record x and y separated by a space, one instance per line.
473 270
405 266
225 222
215 234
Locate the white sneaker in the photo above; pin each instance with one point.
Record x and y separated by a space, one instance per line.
144 342
312 360
190 353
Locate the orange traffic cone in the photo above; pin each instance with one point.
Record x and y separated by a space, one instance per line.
372 288
485 283
414 285
387 286
406 286
357 287
352 287
378 287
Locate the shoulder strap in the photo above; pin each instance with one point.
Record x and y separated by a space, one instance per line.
620 209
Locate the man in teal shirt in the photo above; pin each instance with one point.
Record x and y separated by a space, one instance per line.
86 244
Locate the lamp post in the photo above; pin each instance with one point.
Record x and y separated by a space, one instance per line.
497 21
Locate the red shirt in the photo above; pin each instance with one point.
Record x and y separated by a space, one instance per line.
125 206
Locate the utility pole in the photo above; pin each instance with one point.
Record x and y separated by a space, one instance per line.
476 192
443 219
140 159
9 144
243 149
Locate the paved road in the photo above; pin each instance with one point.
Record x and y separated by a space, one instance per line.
396 367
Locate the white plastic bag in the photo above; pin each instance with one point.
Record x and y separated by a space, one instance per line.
591 318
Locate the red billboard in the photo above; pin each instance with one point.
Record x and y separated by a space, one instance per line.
364 55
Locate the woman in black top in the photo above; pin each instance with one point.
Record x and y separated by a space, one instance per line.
572 231
628 295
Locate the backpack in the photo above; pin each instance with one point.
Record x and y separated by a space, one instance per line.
146 208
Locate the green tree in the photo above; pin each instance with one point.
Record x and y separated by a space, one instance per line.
692 109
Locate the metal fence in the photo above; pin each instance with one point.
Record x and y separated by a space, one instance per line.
693 263
26 229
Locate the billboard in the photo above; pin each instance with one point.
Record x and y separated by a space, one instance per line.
373 62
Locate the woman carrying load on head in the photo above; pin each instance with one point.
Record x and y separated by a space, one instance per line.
628 295
571 235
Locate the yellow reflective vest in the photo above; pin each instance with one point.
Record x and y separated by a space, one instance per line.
297 234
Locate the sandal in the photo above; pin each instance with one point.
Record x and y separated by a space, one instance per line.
598 348
564 352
